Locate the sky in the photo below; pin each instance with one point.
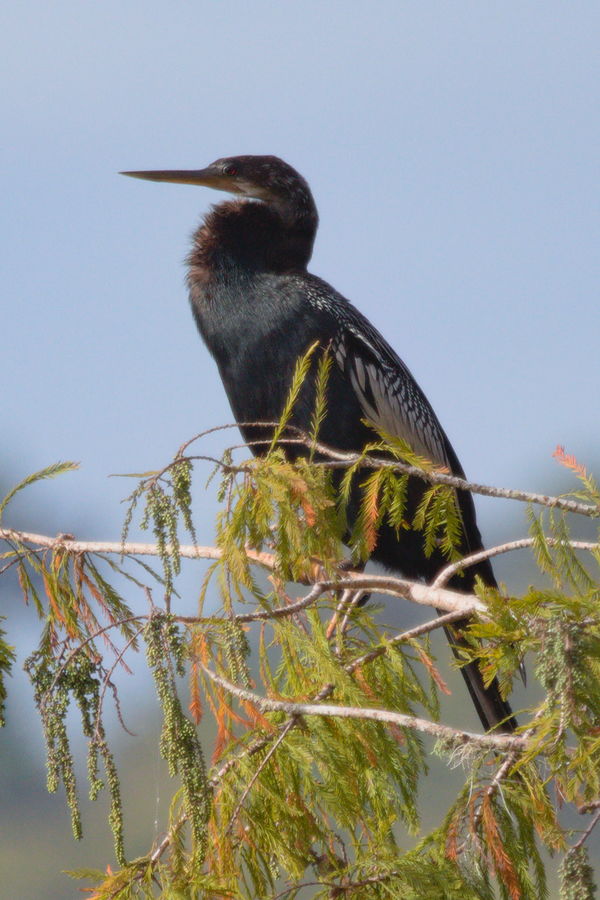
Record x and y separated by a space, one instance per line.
453 154
452 150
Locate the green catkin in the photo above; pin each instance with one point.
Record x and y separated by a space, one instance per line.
576 876
181 475
179 744
7 657
55 683
237 651
51 695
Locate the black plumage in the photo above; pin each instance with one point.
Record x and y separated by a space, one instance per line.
258 310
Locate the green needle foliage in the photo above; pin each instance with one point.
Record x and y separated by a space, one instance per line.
7 658
324 721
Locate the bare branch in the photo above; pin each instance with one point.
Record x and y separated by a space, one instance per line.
404 637
472 559
587 832
443 732
65 542
339 459
265 615
282 735
423 595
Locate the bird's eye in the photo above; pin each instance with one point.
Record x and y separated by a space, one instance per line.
230 170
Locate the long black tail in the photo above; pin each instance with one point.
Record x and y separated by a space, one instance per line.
493 711
405 555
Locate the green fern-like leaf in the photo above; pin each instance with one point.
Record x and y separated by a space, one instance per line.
51 471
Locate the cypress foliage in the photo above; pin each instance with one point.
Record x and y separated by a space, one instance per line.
322 716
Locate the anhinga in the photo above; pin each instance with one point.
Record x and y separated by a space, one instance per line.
258 310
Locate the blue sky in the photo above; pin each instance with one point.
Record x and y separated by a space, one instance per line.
453 154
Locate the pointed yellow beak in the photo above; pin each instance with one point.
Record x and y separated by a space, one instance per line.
209 177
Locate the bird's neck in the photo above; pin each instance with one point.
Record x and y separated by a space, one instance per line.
252 237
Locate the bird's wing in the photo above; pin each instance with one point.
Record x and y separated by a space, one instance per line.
387 392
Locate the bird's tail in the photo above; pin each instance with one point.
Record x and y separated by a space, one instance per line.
492 709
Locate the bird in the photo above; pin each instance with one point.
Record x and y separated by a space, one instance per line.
258 310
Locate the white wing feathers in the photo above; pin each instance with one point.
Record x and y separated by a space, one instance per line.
389 397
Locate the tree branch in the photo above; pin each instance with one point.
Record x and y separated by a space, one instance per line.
587 832
338 459
472 559
263 764
437 477
403 638
443 732
264 615
423 595
70 545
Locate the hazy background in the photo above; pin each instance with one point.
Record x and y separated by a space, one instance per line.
453 153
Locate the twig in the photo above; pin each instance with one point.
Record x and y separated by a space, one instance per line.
444 732
494 785
284 732
166 841
403 638
437 477
588 807
87 640
502 772
349 601
336 888
418 593
339 459
472 559
300 887
106 680
587 832
279 613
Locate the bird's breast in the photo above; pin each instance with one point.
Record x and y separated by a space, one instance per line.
255 329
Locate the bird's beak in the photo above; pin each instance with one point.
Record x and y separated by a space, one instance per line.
209 177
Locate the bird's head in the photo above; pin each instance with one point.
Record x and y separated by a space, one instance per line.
290 213
265 178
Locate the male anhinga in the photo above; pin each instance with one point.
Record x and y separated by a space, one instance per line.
258 310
